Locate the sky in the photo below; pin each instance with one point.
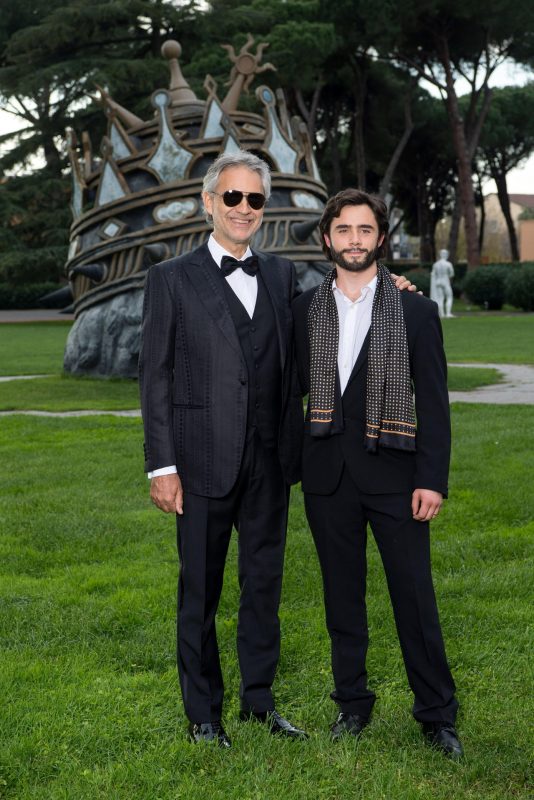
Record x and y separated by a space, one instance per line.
520 180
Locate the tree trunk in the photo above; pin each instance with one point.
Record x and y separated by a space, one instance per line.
465 183
456 217
504 200
309 114
357 149
425 244
333 140
51 154
395 158
482 224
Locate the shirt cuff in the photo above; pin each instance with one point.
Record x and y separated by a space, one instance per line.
162 471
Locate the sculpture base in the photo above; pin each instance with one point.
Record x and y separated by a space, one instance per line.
105 339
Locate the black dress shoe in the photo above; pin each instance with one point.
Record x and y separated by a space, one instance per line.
352 724
275 723
209 732
443 737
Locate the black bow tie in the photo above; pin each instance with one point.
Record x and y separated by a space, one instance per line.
248 265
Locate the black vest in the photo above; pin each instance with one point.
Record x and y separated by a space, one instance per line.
259 343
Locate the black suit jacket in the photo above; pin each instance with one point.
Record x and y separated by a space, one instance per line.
193 376
388 470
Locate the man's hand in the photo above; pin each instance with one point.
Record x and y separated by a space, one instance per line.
403 283
426 504
166 493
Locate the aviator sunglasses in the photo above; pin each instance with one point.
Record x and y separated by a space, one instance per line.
233 197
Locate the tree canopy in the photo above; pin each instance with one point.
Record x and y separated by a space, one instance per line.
357 72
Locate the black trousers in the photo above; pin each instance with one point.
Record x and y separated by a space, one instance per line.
257 507
339 527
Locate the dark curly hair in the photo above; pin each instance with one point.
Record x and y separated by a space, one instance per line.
354 197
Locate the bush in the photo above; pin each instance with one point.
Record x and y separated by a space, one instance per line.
519 287
421 278
28 296
485 286
460 271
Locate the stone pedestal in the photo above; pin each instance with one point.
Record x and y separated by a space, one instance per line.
105 339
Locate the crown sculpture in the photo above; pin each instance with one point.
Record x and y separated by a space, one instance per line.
140 202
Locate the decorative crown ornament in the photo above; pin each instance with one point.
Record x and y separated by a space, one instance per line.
139 203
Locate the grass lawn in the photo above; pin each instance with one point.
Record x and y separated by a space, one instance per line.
66 392
459 379
498 339
91 707
32 348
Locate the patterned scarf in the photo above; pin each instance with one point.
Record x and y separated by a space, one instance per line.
390 416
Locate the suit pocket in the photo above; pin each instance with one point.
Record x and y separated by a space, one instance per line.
187 405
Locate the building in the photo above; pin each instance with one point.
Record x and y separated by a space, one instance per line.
496 243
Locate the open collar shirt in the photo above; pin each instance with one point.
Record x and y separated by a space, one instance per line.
354 322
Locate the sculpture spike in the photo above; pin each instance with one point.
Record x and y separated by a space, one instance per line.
245 68
93 271
129 119
179 89
301 231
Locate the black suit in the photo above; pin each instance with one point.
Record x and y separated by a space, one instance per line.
347 487
201 361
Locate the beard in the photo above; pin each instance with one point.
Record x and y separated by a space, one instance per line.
354 266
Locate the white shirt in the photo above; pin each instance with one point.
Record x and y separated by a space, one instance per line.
245 287
354 323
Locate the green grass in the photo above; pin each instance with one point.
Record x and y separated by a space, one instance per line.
90 703
68 393
32 348
498 339
461 379
65 393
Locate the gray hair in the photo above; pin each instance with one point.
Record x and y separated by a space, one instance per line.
240 158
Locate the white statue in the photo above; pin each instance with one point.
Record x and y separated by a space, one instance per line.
440 284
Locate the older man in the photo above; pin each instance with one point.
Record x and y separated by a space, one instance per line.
223 417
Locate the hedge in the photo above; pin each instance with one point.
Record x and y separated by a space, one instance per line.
484 286
519 287
421 278
13 297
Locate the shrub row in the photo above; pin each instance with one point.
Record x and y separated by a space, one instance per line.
493 285
13 297
421 276
488 286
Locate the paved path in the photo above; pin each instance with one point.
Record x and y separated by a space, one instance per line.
517 386
4 378
34 315
134 412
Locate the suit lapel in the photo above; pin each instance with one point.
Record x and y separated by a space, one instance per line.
270 273
200 270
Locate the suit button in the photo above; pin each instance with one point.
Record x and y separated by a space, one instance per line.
242 381
257 405
253 330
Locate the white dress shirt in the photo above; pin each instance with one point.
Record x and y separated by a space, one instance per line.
245 287
354 323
